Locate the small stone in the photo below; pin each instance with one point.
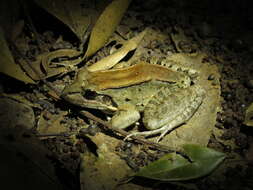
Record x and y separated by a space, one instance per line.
243 105
219 125
229 96
215 82
66 149
75 155
249 84
211 77
241 140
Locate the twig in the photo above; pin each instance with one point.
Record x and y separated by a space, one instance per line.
66 134
124 133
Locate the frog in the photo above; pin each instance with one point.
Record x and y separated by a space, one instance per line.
159 93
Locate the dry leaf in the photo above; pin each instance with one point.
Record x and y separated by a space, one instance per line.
111 60
249 116
14 114
105 170
106 25
43 67
8 65
19 98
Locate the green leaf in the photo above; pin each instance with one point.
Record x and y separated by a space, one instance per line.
106 25
174 167
7 63
168 162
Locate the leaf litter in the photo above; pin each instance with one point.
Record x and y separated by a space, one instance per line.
210 79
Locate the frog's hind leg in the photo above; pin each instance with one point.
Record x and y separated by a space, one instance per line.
183 116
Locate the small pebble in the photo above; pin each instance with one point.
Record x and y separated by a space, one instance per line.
229 96
211 77
215 82
218 125
241 140
249 84
75 155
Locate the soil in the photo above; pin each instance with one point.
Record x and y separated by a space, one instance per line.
224 32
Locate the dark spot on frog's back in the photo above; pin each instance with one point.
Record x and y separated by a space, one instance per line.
127 99
89 94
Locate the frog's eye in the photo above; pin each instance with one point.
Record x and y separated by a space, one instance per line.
89 94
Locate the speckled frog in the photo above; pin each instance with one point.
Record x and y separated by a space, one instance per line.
162 92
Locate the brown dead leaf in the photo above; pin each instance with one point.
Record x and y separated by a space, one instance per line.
105 170
44 67
111 60
249 116
14 114
106 25
7 63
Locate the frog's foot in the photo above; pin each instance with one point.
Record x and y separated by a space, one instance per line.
163 131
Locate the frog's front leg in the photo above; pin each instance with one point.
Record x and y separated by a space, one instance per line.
165 112
125 116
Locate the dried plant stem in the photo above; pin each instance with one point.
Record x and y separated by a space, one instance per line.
124 133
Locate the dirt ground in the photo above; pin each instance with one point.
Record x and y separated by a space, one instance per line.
224 32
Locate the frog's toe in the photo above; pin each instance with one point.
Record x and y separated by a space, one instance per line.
133 134
136 134
128 136
146 133
162 135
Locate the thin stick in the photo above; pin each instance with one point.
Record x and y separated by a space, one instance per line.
124 133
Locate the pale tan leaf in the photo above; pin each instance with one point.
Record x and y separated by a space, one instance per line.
249 116
106 25
21 99
43 67
7 63
14 114
111 60
105 170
